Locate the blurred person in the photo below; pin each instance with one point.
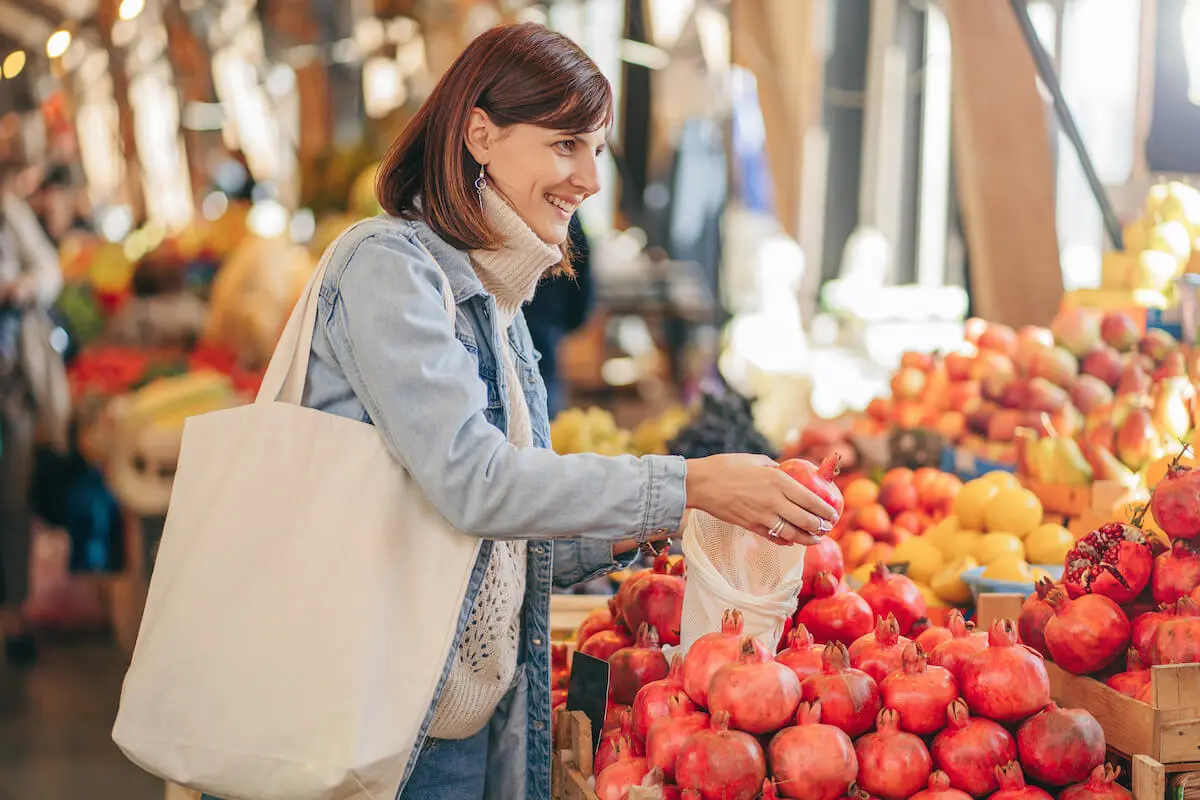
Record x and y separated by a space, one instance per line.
56 204
480 189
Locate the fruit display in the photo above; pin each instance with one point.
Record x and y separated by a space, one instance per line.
1161 244
595 430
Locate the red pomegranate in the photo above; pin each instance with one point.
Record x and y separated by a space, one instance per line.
1035 613
882 652
818 479
603 644
892 764
618 778
1175 502
1135 677
919 693
1060 745
824 556
1012 785
759 696
612 749
833 615
802 655
1006 682
1114 560
656 780
939 789
1102 785
601 619
721 764
1144 626
1177 638
1176 572
631 668
711 652
812 761
1086 634
618 717
667 734
888 593
932 636
971 748
651 702
963 642
849 697
656 600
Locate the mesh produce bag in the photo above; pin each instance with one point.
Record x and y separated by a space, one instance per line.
730 567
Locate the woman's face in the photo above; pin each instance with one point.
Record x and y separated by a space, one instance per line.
544 174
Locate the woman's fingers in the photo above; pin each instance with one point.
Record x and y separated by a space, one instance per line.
802 496
798 518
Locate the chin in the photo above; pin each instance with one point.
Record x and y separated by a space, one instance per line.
553 233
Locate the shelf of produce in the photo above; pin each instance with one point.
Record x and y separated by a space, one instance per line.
568 610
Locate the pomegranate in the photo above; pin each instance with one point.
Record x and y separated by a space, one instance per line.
963 642
824 556
618 778
887 594
1176 572
849 697
1175 501
760 696
711 652
812 761
603 644
1135 677
651 702
1146 625
618 717
1102 785
1177 638
656 780
833 615
971 748
892 764
919 693
611 750
667 734
939 789
1114 560
1012 785
656 600
932 636
1006 682
880 653
1086 634
721 764
818 479
631 668
802 655
601 619
1060 745
1035 613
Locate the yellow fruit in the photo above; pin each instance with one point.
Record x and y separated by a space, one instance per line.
923 557
1009 568
948 583
1017 511
942 533
931 597
995 545
1002 479
963 544
1048 544
1038 573
862 573
971 500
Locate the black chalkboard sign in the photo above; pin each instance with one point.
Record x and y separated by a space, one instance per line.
587 691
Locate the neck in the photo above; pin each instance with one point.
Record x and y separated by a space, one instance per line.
512 272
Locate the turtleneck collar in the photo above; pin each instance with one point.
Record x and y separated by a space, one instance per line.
512 272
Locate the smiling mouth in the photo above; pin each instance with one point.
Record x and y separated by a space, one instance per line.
562 205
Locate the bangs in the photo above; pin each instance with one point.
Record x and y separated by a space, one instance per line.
587 107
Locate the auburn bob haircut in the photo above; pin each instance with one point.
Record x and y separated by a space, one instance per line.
517 74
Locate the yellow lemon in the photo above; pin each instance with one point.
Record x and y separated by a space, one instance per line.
1048 544
1009 568
948 583
1001 479
992 546
923 557
1017 511
862 573
942 533
963 544
931 597
971 500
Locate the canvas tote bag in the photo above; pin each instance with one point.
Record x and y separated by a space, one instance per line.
303 603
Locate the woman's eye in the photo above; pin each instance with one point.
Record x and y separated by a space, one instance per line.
566 145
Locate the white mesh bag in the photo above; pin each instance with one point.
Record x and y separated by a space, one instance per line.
730 567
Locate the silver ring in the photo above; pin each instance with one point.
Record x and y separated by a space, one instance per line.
777 528
825 526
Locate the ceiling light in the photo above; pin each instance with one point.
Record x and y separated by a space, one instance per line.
58 43
130 8
14 63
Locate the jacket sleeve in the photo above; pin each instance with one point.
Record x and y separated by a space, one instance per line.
38 256
580 560
387 327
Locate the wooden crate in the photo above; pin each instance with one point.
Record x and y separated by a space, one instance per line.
571 764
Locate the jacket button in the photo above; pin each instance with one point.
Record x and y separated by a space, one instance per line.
537 641
661 531
539 725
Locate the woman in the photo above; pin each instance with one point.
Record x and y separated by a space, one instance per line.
481 187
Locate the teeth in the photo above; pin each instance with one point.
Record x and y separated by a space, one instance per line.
554 201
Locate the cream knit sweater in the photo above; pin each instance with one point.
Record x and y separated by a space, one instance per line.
486 661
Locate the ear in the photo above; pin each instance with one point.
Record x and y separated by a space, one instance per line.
481 135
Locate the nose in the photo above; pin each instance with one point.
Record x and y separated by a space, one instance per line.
587 175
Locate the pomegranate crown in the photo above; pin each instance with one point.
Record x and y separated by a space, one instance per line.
887 719
647 636
957 624
835 657
748 653
678 705
675 671
808 713
914 658
1043 587
662 563
654 778
768 790
731 622
1057 599
1003 633
880 572
720 721
1104 774
939 781
957 713
887 630
800 638
825 584
831 466
1133 661
1187 607
1010 776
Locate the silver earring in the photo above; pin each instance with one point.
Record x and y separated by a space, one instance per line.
480 184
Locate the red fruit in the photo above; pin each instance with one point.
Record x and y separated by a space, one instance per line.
1060 745
1175 502
759 696
1006 682
1177 638
656 780
615 781
1176 572
653 700
833 615
612 749
679 568
602 619
881 652
971 748
812 761
939 789
932 636
1114 560
1146 625
656 600
818 479
849 697
963 642
721 764
999 338
1119 331
1035 613
887 594
604 643
824 556
1134 679
1086 634
1012 785
891 763
631 668
618 717
1104 364
711 652
558 697
1102 785
667 735
802 655
898 498
919 693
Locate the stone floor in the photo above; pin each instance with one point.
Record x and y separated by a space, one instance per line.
55 720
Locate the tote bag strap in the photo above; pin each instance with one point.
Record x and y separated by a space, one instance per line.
288 368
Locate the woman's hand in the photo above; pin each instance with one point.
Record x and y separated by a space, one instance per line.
748 491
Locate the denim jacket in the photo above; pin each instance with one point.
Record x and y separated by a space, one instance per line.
383 352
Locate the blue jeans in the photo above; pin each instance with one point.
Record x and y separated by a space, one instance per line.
449 769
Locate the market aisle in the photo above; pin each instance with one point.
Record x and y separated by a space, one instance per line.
55 721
